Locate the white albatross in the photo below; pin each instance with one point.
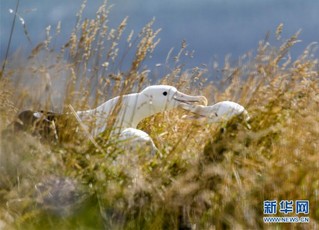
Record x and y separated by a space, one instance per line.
136 141
130 109
219 112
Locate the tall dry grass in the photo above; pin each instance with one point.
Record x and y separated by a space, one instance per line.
208 176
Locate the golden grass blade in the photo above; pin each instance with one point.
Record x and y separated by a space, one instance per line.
86 130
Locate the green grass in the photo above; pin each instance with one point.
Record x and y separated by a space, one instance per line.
213 176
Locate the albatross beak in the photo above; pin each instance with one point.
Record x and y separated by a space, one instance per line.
185 99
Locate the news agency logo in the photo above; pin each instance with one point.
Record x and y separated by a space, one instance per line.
286 207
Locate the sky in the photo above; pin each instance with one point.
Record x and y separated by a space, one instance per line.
212 28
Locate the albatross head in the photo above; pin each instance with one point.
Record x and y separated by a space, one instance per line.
164 97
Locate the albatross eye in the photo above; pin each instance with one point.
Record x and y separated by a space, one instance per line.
164 93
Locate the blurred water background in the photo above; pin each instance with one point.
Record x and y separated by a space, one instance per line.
213 28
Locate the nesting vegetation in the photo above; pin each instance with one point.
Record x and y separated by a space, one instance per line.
207 177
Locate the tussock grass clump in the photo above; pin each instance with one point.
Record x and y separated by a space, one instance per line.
207 176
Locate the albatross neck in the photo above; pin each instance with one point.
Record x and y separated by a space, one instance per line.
132 109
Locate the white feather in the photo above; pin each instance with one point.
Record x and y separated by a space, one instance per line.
137 141
130 109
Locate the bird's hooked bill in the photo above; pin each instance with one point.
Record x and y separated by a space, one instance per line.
194 108
185 99
196 112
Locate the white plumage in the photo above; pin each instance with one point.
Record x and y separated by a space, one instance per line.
129 110
136 141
